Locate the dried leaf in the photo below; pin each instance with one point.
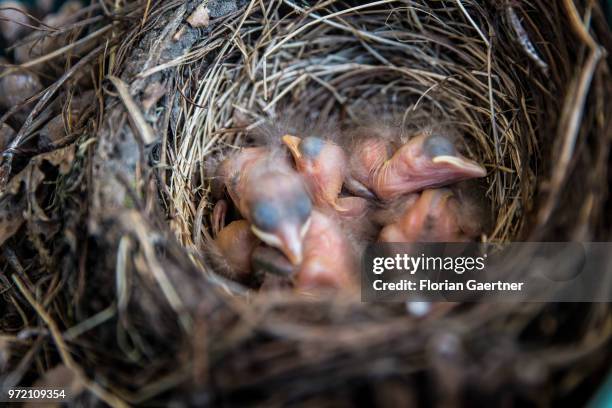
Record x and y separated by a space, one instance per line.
11 217
60 158
200 17
13 204
32 176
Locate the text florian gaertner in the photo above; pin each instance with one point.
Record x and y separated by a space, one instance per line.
404 265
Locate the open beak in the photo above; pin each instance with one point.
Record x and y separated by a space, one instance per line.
461 166
293 143
288 239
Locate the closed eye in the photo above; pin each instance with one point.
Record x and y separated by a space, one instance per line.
265 216
439 146
311 146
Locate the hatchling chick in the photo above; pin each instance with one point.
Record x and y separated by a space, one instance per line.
329 258
329 263
270 195
437 215
324 167
232 245
383 167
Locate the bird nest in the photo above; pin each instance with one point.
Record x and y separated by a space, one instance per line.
526 86
437 67
330 63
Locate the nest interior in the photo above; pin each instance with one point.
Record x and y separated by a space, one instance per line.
486 79
526 85
332 60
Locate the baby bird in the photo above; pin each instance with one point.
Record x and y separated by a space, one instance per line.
329 259
436 215
271 196
323 164
425 161
232 245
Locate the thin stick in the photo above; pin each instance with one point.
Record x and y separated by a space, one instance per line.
146 13
325 19
467 15
576 100
493 120
58 52
145 131
578 25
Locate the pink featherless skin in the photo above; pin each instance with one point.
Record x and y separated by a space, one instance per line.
424 161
